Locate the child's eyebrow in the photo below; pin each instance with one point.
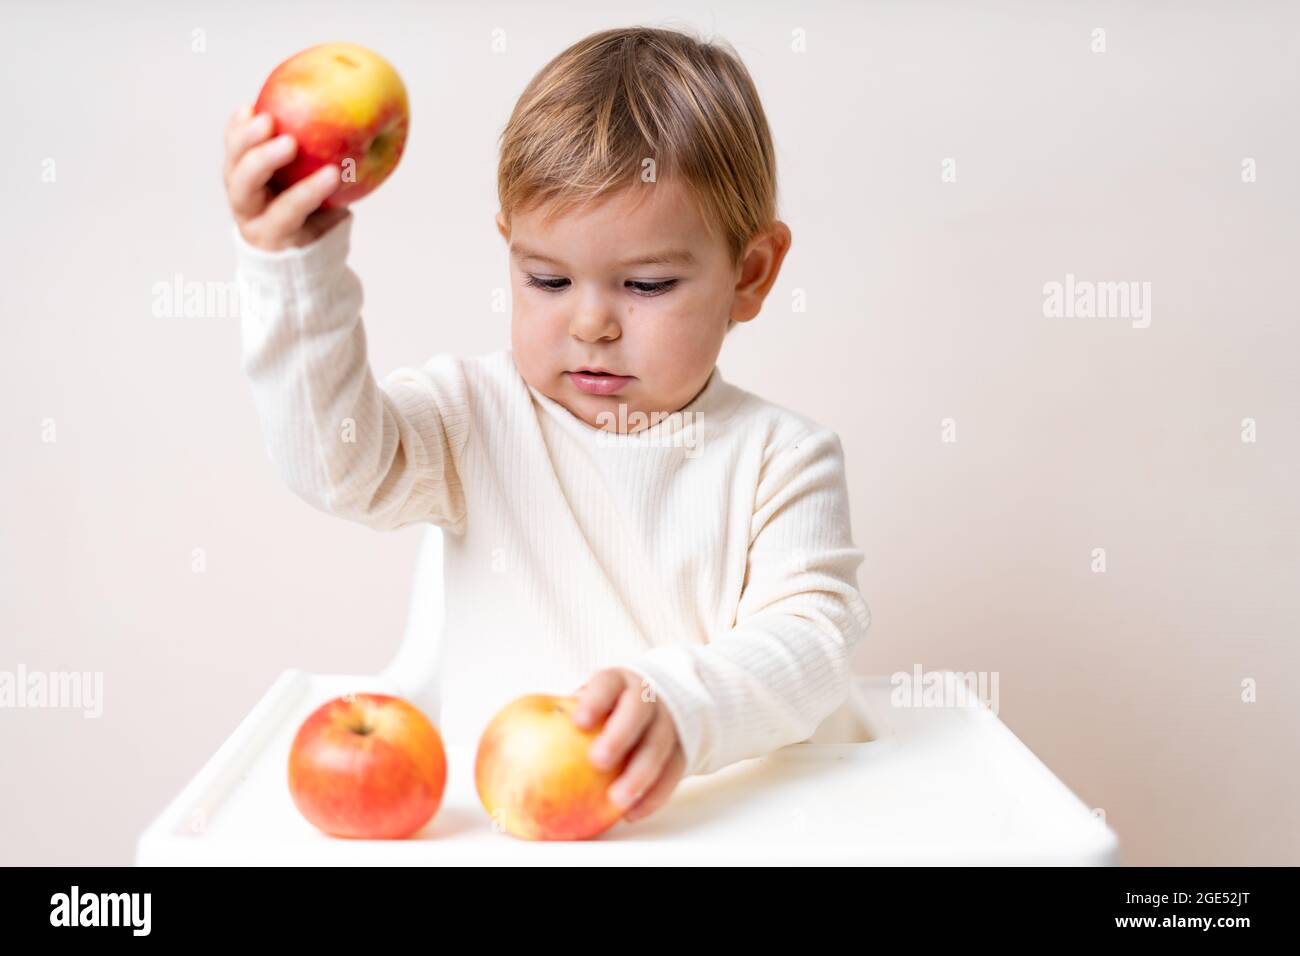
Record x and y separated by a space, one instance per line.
666 257
522 253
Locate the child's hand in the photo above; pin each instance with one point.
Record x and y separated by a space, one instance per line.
265 220
643 729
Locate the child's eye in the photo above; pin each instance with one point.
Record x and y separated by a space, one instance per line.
658 287
550 285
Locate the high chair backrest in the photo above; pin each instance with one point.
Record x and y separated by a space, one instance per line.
415 666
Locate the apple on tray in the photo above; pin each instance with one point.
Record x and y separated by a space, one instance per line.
368 766
534 777
344 104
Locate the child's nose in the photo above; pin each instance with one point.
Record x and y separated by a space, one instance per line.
594 321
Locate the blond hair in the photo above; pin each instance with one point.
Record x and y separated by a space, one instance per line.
586 123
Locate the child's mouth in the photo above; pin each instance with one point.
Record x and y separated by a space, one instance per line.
598 383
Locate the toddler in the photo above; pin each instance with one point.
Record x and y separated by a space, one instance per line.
620 522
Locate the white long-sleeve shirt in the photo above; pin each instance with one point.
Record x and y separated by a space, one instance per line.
710 553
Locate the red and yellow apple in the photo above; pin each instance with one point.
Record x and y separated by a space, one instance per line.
345 105
534 776
369 766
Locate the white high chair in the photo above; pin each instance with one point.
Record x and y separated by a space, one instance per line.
876 784
414 669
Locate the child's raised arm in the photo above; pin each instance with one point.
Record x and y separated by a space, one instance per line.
384 456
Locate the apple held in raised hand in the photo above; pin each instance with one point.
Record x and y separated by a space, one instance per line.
345 105
369 766
534 776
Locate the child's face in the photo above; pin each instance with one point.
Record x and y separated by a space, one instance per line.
660 323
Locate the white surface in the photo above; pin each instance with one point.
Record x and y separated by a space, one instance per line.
931 786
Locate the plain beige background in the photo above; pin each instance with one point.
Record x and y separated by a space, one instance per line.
924 301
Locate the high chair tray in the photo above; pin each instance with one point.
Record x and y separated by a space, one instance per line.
877 784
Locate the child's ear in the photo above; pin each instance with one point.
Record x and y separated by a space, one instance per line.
759 268
502 228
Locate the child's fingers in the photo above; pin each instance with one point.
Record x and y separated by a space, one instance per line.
647 764
289 210
254 170
236 119
658 795
624 728
245 134
596 697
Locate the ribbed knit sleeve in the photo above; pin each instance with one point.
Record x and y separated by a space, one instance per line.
384 455
783 668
